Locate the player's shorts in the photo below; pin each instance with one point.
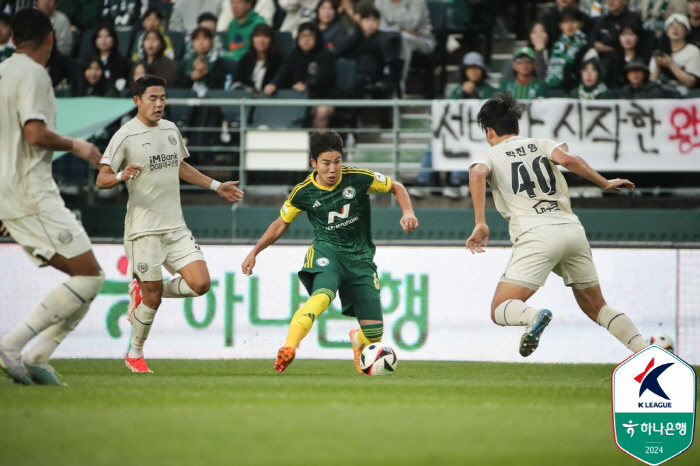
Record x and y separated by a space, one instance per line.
562 249
355 280
172 250
50 232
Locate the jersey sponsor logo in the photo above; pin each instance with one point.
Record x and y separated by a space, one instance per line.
344 213
349 192
381 178
343 224
316 204
322 261
142 267
163 161
172 140
544 207
65 237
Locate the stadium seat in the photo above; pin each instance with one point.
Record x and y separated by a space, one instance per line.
75 45
85 43
73 66
556 93
281 117
178 113
124 42
693 94
177 39
284 40
232 113
231 66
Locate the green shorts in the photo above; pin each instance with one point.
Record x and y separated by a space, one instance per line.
327 269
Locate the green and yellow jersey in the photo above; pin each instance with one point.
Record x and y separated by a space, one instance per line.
340 214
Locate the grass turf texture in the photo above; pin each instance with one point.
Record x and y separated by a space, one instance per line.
318 412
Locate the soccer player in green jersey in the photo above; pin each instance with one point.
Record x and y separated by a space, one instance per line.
336 200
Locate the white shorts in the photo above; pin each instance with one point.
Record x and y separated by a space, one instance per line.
562 249
172 250
50 232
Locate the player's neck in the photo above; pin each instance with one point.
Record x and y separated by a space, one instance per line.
38 55
499 139
146 122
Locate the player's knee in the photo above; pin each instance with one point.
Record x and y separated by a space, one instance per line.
152 300
200 287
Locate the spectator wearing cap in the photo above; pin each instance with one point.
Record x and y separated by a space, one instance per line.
524 85
654 13
682 65
639 85
592 86
6 46
186 14
60 23
473 74
605 35
241 27
567 51
152 20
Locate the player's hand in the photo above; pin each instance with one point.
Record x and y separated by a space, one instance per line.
230 192
4 231
480 233
409 222
248 264
613 186
130 172
87 152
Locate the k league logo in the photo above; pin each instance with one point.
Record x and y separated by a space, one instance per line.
653 401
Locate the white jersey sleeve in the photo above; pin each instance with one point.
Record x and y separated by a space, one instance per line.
35 95
117 153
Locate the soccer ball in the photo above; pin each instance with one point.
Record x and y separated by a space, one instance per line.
378 359
662 340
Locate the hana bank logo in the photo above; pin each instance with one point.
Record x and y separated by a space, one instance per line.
649 381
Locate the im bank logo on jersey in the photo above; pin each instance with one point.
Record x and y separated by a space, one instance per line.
653 404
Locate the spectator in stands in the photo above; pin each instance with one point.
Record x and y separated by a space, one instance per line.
122 13
265 8
106 46
138 71
152 20
412 19
309 67
680 64
208 21
693 36
567 52
92 81
606 32
655 12
332 29
298 12
156 62
7 48
592 85
205 70
61 25
639 85
524 85
186 14
240 28
349 12
473 75
13 6
83 15
539 40
630 48
260 64
552 18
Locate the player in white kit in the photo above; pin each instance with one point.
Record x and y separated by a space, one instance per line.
532 195
148 154
31 208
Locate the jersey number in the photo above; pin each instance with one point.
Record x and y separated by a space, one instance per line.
521 180
344 212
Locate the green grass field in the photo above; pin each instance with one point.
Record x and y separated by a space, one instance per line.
316 413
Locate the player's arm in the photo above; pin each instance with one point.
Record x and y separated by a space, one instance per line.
576 164
477 185
39 135
408 222
227 190
274 232
106 178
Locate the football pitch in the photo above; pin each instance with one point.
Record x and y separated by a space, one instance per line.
241 412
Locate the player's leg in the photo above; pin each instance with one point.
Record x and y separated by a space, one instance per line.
151 297
592 303
371 320
184 256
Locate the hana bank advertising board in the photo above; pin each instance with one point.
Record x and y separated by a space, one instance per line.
436 303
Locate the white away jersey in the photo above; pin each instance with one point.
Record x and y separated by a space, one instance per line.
154 195
26 184
528 189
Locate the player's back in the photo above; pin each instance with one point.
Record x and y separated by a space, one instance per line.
26 183
528 189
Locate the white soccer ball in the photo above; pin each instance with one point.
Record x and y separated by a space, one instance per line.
378 359
662 340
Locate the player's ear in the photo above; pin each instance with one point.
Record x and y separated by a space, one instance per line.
313 163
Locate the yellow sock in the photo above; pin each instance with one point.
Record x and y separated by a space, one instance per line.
361 338
304 318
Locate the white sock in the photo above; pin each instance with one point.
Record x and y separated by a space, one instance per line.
143 320
178 288
42 350
514 312
135 352
621 327
19 336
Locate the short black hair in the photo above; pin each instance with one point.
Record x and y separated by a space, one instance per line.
500 113
207 16
325 141
369 11
571 13
151 10
200 31
5 18
30 26
144 82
